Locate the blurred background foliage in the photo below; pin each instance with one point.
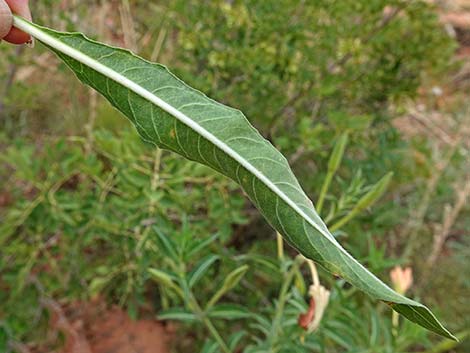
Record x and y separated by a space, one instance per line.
87 210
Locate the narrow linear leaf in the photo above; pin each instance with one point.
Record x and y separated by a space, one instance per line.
234 277
201 268
201 245
210 347
162 277
228 312
365 201
167 244
230 282
333 165
178 314
168 113
235 339
337 154
447 345
166 280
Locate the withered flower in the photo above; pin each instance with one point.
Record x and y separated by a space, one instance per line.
319 297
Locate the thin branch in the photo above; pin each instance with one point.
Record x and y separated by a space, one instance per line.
417 219
450 217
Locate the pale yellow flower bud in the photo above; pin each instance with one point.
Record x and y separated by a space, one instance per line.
402 279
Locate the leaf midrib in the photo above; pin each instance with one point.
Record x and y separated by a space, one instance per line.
43 35
22 24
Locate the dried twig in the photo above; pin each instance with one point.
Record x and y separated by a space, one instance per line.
128 26
417 219
450 217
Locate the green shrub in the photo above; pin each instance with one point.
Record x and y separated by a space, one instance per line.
85 224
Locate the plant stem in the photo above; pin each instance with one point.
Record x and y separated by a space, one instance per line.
314 272
275 328
89 127
365 201
343 220
155 180
196 308
280 246
395 319
324 190
333 165
216 335
210 326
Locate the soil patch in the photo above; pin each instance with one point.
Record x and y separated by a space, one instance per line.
96 328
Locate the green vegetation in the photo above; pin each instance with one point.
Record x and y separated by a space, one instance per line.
100 213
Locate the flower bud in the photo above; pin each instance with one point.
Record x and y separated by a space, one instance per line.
374 193
402 279
337 154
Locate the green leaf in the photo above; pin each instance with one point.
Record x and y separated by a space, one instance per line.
168 113
374 193
210 347
269 263
235 339
179 314
229 282
161 277
201 269
228 312
365 201
165 279
97 284
337 154
168 245
198 246
447 345
234 277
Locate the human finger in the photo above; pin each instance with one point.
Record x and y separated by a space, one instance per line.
21 8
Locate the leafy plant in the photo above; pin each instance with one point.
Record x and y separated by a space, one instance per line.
171 115
311 68
83 224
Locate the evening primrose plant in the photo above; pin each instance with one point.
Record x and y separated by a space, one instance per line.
145 228
171 115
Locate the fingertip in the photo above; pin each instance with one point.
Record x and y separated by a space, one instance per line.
6 19
21 8
15 36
